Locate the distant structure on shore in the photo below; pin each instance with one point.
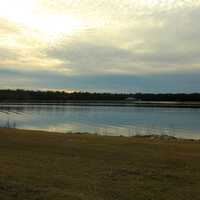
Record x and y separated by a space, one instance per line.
131 99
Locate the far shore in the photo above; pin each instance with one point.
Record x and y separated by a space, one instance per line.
46 165
173 104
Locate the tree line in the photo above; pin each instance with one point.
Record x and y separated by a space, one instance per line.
28 95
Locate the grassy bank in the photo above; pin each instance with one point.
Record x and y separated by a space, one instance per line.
51 166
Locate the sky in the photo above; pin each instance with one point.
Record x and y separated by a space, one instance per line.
100 45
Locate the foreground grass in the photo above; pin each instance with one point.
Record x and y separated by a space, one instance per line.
47 166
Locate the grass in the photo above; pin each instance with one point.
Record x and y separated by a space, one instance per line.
37 165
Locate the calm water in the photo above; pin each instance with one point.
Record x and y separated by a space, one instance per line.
108 120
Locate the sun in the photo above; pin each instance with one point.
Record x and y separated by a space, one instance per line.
53 27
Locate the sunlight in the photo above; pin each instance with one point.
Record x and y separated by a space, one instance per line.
53 27
49 26
17 11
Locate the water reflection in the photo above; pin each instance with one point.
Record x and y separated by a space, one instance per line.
128 121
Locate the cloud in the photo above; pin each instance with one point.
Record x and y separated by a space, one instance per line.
8 27
6 54
147 45
89 57
171 82
99 38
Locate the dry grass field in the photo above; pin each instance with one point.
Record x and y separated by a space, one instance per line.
38 165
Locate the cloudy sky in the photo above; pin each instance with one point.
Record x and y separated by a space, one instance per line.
100 45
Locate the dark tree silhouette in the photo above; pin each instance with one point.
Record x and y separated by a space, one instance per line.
28 95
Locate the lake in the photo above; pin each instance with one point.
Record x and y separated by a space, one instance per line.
103 120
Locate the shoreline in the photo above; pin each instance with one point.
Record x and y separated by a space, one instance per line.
153 137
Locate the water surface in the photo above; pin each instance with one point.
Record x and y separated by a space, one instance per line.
104 120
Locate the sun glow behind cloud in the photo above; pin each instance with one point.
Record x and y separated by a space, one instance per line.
49 26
